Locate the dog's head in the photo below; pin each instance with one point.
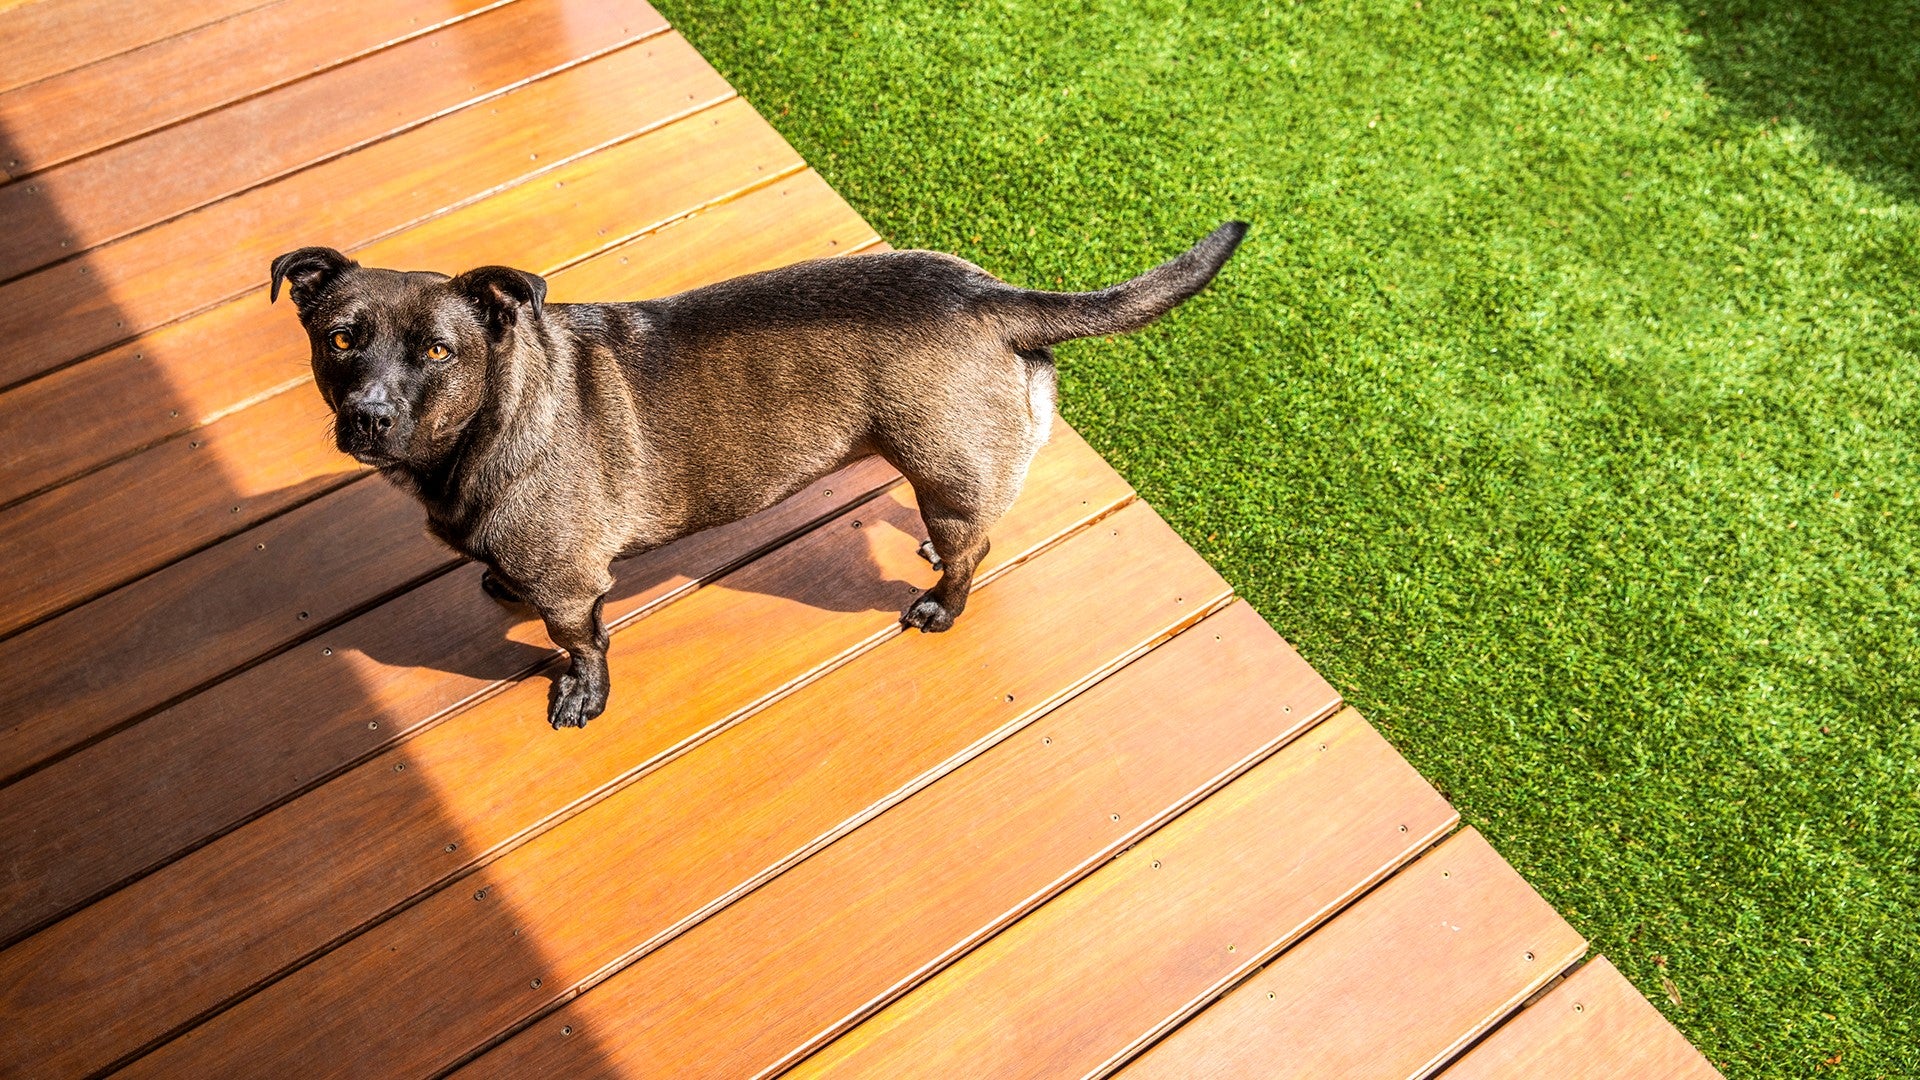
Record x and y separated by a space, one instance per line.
404 359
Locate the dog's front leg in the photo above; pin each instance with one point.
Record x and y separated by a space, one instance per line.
574 623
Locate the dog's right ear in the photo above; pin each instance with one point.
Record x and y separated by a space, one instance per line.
306 272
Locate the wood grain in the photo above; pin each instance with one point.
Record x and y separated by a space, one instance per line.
801 959
86 538
71 543
46 37
739 809
1593 1026
106 195
1391 988
78 111
235 913
70 678
66 680
1187 911
192 772
111 293
160 384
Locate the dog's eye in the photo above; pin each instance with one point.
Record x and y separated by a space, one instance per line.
342 341
437 351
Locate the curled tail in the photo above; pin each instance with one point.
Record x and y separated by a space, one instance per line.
1036 319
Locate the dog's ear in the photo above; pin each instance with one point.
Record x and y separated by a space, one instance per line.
503 295
306 272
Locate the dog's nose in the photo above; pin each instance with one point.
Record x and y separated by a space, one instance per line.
370 419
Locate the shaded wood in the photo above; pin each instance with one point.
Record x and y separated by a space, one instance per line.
109 194
1593 1026
66 115
74 308
65 681
193 772
46 37
81 540
160 384
68 679
71 543
801 959
1188 910
714 823
237 912
1392 987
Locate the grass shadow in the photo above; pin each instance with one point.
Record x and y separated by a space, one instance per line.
1848 71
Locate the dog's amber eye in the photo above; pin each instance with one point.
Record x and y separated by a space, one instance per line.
342 341
438 352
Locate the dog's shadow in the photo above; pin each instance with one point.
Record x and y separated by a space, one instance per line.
847 564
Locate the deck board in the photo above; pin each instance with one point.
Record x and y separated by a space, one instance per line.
1120 956
1392 988
198 260
276 792
39 38
240 911
187 165
776 974
62 117
706 827
1593 1026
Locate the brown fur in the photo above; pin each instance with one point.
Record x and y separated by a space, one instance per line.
554 439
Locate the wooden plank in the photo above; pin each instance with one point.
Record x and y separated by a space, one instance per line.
1593 1026
70 544
47 37
805 957
79 111
106 195
1393 987
111 293
191 773
231 915
80 541
160 384
67 680
1185 913
715 823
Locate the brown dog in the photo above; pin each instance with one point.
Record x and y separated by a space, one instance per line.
549 440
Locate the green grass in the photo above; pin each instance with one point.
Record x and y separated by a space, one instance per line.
1560 407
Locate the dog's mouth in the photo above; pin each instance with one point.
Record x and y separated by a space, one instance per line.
373 458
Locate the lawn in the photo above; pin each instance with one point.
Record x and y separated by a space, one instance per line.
1561 408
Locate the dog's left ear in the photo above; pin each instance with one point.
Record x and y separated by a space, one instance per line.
503 295
306 271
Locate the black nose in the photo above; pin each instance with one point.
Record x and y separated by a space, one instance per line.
370 420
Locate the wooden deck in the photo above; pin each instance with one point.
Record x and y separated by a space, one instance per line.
277 794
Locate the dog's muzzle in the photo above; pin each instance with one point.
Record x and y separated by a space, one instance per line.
367 429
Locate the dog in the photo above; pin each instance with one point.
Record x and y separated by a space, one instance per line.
548 440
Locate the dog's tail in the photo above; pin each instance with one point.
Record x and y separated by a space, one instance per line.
1036 319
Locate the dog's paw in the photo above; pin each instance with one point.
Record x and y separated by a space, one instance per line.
495 586
927 614
932 556
575 699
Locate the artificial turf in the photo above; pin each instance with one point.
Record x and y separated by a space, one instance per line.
1560 408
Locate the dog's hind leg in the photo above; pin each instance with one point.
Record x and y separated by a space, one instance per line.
958 541
933 557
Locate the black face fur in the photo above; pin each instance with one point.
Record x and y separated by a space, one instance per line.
402 358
